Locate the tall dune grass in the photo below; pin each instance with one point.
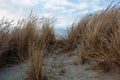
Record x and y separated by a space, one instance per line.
38 50
96 37
32 38
99 37
68 42
14 41
4 39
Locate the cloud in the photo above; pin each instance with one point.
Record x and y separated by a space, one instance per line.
68 11
65 10
57 2
26 3
16 9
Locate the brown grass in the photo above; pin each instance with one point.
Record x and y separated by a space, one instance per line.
35 71
96 37
99 37
4 39
14 40
69 42
30 39
38 50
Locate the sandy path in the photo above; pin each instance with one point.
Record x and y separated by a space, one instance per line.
64 67
60 67
13 73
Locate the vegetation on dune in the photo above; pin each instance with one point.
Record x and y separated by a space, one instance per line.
38 50
95 37
99 38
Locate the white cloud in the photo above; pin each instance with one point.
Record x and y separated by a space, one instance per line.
64 10
27 3
96 8
16 9
61 4
57 2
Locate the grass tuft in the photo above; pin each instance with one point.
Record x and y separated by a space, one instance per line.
99 37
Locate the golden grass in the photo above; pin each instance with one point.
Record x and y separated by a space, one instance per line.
35 71
30 39
70 41
14 41
38 50
96 37
99 37
4 39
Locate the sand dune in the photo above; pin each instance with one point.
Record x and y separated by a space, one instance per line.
60 67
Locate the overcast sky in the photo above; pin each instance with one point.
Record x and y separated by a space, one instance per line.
66 11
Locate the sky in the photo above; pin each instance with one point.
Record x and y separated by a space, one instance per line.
66 11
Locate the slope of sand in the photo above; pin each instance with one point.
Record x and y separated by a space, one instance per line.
60 67
15 72
65 67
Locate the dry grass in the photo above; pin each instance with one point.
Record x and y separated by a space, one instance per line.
35 71
70 41
99 37
38 50
96 37
14 41
4 39
32 38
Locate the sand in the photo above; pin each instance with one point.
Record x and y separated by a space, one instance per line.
15 72
60 67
